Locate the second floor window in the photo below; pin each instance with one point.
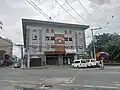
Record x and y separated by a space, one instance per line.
70 39
52 38
80 47
47 30
47 38
66 39
65 32
70 32
52 30
34 37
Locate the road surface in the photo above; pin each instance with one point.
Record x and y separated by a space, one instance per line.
60 78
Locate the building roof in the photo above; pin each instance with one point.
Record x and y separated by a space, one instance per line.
6 40
35 22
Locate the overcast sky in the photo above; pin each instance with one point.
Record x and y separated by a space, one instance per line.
102 11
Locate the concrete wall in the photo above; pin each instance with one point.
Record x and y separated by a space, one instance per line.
6 45
42 42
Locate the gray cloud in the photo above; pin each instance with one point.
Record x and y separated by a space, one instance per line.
100 2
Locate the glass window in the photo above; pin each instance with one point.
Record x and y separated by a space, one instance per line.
52 46
34 37
47 38
66 39
52 38
71 46
79 33
47 30
47 46
52 30
66 46
87 60
81 47
77 61
65 32
70 32
70 39
92 60
83 61
34 30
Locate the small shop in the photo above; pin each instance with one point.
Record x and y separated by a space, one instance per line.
35 61
68 58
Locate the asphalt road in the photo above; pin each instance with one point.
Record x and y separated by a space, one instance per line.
60 78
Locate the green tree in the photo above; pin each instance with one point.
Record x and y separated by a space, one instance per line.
109 43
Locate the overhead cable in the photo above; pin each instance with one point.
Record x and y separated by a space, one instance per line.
77 12
39 9
66 11
88 13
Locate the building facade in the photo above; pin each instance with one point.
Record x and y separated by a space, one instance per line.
6 48
53 43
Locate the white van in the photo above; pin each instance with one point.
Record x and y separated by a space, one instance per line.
79 63
91 62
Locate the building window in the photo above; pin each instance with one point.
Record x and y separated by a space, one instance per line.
34 37
52 38
47 30
66 39
79 33
65 32
52 30
66 46
48 46
80 47
52 46
71 47
70 39
47 38
34 30
34 45
70 32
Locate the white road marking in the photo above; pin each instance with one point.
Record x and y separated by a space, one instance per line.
73 78
117 84
90 86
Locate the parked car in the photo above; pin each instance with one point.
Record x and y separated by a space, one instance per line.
97 63
80 63
17 65
91 62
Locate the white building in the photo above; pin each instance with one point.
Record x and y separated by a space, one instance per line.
53 43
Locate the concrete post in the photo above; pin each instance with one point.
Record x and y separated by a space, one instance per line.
75 57
60 59
28 59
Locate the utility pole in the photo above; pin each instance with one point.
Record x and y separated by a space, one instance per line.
22 59
28 58
93 42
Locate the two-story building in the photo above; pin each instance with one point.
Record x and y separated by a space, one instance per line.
6 48
53 43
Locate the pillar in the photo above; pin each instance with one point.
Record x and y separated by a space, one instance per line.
43 60
60 59
28 59
75 57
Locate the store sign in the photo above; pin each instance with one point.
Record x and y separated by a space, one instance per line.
70 50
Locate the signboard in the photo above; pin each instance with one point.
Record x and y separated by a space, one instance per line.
70 50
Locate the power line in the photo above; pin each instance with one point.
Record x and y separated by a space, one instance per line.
76 12
38 9
88 13
66 11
